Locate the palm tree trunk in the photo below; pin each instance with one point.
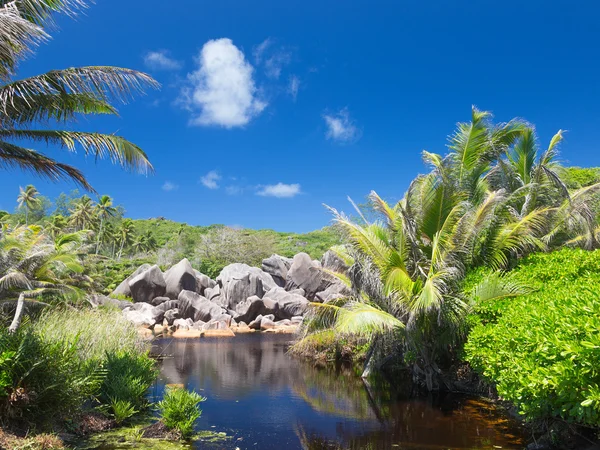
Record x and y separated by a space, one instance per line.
99 235
14 326
26 216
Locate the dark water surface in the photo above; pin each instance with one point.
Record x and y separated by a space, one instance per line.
266 399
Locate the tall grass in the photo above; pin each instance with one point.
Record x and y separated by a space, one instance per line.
71 359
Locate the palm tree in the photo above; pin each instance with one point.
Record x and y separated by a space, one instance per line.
104 210
35 267
479 205
28 199
125 235
56 226
58 97
83 214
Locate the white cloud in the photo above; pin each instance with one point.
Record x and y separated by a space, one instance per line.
293 86
168 186
260 50
222 90
211 179
340 127
279 190
160 60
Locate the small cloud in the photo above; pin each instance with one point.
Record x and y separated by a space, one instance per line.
222 90
160 60
260 49
293 87
340 127
279 190
234 190
275 64
168 186
211 179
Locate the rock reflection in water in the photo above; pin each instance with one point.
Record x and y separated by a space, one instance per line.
269 400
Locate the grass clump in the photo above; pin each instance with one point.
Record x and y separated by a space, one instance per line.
179 410
542 350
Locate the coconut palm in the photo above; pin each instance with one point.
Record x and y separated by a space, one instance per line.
29 106
83 214
104 211
35 267
125 234
28 199
56 225
491 200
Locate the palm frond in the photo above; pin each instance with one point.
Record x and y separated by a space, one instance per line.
497 286
115 148
13 156
361 319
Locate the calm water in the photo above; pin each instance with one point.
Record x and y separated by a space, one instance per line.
266 399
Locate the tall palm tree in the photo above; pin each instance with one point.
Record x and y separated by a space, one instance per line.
125 235
56 226
28 199
29 106
35 267
83 214
104 210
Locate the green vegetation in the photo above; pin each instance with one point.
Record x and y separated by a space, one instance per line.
59 363
495 198
179 410
542 349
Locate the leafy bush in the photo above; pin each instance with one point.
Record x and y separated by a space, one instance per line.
128 377
179 410
45 379
542 350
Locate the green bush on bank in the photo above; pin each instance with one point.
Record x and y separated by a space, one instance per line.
542 350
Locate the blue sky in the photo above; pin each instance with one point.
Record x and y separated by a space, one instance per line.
268 109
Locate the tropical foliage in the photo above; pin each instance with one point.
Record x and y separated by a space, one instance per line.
494 198
542 349
29 107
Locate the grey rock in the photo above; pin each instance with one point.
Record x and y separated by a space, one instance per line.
172 315
196 307
277 266
160 310
255 324
180 277
336 290
148 285
253 307
297 319
304 275
203 282
266 324
141 315
199 325
298 291
158 300
123 288
284 323
289 305
269 317
239 281
184 324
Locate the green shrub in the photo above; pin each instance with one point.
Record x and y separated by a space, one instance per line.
128 377
44 379
122 410
179 410
542 350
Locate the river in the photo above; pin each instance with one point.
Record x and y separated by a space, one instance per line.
265 399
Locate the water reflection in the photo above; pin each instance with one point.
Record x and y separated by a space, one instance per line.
269 400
